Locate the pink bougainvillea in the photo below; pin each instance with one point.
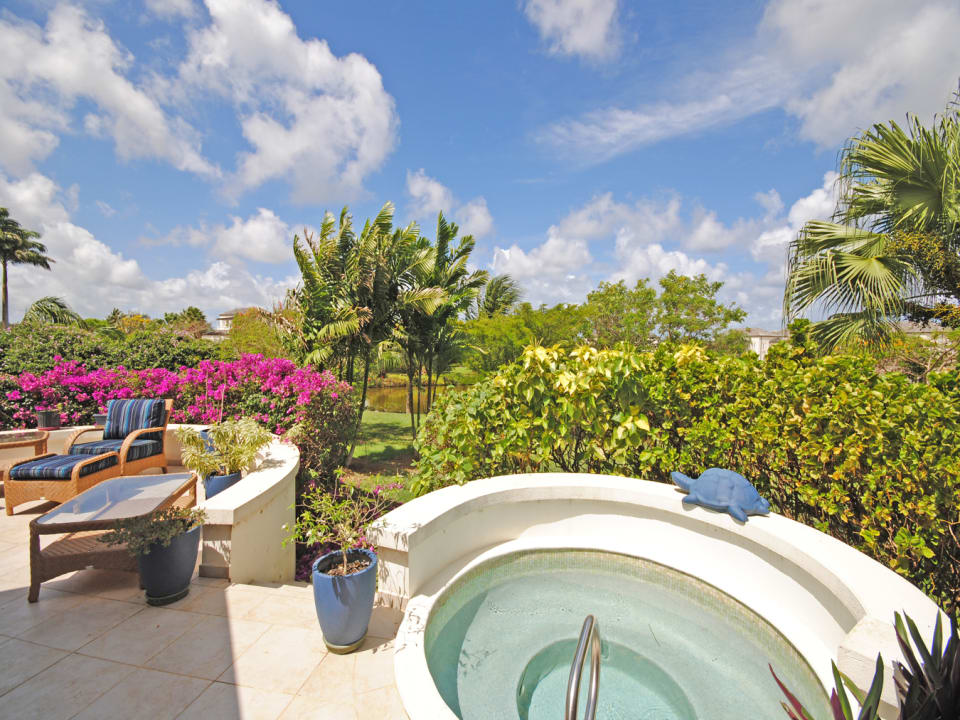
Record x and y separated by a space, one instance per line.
274 391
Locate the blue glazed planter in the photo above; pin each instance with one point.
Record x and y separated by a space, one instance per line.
165 572
344 602
214 484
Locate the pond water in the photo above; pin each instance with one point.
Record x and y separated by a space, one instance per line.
394 399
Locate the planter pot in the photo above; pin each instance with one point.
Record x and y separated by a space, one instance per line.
100 419
48 419
344 602
165 572
214 484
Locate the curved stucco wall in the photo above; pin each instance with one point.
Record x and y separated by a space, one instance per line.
829 600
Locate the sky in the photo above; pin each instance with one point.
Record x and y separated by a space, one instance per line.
169 150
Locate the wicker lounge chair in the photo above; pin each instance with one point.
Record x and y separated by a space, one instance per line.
56 477
135 429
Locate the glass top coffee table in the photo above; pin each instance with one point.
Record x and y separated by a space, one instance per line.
90 514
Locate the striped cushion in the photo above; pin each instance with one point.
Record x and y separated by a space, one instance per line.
59 467
138 448
125 416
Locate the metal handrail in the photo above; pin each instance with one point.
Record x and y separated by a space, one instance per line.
590 633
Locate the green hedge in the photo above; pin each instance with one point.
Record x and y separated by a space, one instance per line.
868 458
32 348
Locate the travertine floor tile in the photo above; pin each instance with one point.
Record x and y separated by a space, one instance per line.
145 694
233 601
278 608
140 637
332 679
18 615
280 660
209 648
20 661
113 584
305 707
87 619
63 689
382 704
384 622
222 701
373 665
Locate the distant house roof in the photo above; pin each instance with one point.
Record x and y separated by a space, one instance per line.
236 311
760 332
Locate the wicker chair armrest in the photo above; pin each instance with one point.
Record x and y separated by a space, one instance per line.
75 475
133 435
77 433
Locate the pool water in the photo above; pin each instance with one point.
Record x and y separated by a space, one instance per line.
500 642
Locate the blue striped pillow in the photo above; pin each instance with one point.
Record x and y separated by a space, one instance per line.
125 416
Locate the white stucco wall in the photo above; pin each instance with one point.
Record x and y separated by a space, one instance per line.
829 600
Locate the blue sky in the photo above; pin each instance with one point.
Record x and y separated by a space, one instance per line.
169 150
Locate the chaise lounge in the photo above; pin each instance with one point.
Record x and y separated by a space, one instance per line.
135 429
56 477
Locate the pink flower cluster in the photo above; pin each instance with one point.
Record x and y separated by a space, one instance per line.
274 391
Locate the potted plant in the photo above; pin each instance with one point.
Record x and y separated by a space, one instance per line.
220 453
166 544
47 418
345 579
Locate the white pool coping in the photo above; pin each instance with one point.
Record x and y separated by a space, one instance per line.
829 600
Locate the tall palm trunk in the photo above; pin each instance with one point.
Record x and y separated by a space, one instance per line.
6 311
363 403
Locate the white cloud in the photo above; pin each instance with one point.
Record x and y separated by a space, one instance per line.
44 72
429 196
770 246
105 208
836 67
577 27
319 122
172 9
263 237
93 278
474 218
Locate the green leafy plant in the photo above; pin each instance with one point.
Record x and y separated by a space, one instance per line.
141 534
928 688
340 517
233 445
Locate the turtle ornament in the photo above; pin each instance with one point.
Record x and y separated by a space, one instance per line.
722 490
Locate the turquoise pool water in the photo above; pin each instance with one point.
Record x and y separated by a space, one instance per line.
500 641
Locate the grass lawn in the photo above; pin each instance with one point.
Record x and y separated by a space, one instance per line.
384 452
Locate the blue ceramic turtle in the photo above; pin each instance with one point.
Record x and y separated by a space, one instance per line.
722 490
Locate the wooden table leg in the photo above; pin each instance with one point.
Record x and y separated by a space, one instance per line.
35 566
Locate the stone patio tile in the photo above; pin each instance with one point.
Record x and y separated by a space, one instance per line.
280 609
234 601
87 619
209 648
331 680
146 694
18 616
384 622
140 637
14 557
305 707
112 584
211 582
280 660
63 689
382 704
373 666
222 701
20 661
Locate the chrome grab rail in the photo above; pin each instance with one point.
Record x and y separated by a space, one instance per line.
589 634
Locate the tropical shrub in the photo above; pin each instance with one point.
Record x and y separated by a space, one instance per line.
868 458
229 446
140 534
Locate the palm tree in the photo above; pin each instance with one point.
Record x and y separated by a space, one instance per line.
52 310
355 287
498 297
429 339
18 247
892 248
